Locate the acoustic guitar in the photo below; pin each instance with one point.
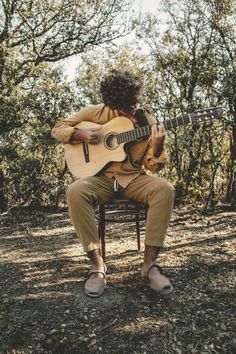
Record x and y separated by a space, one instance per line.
85 159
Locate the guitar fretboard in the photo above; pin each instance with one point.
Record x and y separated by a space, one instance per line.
196 117
146 130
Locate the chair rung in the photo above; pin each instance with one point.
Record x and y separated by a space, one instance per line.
133 212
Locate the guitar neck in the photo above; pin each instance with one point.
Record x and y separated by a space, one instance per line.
146 130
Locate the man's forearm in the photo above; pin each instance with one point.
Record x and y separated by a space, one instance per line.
75 137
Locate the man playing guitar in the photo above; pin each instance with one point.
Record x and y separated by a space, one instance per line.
120 92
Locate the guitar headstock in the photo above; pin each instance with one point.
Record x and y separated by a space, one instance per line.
199 116
202 115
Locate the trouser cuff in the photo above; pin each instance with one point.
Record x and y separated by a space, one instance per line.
91 247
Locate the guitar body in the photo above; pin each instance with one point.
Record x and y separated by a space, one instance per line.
85 160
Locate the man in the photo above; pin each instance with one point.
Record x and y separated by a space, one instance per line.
120 92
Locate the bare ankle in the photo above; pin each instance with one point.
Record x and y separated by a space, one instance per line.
150 254
96 259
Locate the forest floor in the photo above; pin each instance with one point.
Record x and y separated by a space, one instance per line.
43 308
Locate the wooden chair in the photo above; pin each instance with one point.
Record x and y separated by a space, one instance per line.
120 211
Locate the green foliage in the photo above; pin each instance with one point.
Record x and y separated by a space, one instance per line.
193 67
30 157
184 54
34 95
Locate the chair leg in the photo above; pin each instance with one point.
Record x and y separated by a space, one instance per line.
137 229
101 230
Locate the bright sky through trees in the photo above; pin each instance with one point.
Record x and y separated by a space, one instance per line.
146 5
138 5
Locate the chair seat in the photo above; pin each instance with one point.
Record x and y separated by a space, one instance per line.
120 210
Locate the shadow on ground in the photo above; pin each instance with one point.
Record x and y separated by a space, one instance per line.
43 308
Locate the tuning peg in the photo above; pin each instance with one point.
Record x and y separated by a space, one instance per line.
213 110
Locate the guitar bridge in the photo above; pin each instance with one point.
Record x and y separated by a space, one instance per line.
86 152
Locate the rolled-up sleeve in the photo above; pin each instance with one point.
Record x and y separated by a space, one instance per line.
64 129
152 163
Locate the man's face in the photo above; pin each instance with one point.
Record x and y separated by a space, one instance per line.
130 111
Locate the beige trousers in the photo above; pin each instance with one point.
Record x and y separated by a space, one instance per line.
83 195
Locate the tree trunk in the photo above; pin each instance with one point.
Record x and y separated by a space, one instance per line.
231 197
3 199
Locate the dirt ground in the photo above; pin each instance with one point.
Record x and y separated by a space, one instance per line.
43 308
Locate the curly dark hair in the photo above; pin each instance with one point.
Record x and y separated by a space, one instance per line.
120 89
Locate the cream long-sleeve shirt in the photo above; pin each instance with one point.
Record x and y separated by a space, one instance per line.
140 153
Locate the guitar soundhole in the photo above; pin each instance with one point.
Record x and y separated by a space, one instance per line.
110 141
